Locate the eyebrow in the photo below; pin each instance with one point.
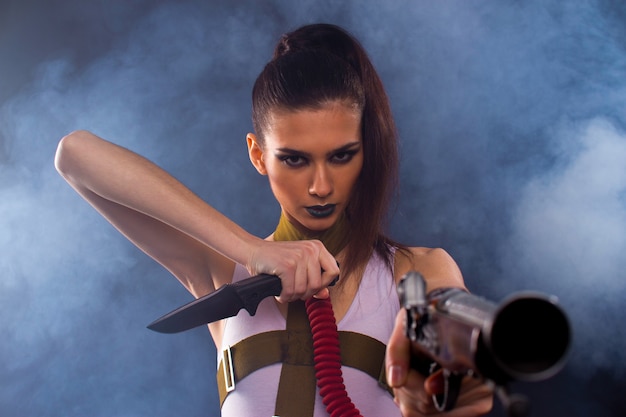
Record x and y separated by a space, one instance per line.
347 147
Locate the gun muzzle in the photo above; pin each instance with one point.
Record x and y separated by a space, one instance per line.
528 338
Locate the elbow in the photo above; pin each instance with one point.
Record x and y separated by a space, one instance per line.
67 148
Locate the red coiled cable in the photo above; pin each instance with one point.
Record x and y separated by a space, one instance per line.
327 359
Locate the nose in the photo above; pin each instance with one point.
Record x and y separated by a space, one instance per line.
321 182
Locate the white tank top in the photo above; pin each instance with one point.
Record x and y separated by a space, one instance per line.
372 312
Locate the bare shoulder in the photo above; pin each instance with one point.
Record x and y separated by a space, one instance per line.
435 264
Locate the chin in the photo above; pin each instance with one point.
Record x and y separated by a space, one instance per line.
317 225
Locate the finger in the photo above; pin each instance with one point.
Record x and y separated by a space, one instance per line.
398 354
414 402
322 294
330 268
435 383
474 391
301 281
287 291
288 280
314 273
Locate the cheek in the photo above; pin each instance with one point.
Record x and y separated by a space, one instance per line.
282 184
352 176
276 177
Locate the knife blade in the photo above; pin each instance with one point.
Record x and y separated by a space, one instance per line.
224 302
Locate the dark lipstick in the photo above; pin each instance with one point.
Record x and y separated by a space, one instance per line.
321 211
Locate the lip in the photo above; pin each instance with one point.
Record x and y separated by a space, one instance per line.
321 212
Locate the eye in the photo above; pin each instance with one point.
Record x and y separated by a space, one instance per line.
343 157
293 161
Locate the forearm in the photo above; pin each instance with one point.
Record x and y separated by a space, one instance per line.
123 177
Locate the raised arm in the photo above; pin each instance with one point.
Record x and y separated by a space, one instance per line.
155 211
178 229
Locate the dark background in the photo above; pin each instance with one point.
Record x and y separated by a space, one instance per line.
512 117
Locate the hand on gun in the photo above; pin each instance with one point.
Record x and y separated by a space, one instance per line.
414 391
448 346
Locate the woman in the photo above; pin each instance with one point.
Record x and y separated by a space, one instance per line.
326 140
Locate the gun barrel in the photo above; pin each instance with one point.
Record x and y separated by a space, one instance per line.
528 338
525 337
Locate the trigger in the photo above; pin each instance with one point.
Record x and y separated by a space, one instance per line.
451 388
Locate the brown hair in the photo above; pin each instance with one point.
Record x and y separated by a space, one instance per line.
312 66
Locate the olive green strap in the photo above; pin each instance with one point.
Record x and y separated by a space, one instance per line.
296 388
358 351
366 354
247 356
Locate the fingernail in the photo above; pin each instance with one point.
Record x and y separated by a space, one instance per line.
322 294
395 375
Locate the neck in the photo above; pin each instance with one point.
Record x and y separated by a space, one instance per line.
334 239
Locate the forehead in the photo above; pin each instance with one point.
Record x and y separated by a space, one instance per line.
331 126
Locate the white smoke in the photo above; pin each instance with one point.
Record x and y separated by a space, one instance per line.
569 238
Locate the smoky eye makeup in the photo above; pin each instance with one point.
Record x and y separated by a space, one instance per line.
343 157
290 159
294 158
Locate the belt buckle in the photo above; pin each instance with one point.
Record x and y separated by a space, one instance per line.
229 375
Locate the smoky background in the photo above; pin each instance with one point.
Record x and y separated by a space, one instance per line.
512 119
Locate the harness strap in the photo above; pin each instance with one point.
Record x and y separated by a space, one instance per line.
296 387
358 351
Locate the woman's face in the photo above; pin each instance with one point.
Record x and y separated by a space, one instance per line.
312 159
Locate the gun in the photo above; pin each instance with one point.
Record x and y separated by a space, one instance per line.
524 338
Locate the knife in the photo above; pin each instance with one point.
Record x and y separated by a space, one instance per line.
224 302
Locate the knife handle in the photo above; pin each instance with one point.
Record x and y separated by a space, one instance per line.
253 290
